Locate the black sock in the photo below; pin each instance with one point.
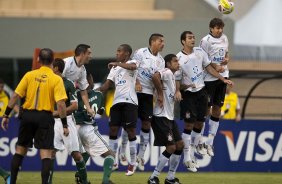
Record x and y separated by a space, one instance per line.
45 170
15 167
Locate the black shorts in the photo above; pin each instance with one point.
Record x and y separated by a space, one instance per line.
194 106
166 131
145 106
216 91
124 114
37 125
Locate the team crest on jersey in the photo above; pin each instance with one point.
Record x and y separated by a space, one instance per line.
169 137
195 69
221 52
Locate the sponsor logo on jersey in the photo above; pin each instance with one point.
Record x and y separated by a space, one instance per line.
145 74
196 76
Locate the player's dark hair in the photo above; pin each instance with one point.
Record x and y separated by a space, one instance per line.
81 48
46 56
216 22
183 35
58 62
168 58
127 48
154 37
2 81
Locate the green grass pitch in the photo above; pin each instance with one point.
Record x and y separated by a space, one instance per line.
141 178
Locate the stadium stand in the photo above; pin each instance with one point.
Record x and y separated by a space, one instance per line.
99 9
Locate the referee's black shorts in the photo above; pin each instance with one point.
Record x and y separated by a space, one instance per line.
166 131
37 125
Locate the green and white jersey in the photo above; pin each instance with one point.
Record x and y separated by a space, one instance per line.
70 91
96 101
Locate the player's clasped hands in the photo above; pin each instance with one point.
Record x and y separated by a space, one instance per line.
229 82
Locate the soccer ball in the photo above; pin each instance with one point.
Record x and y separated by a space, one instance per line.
225 6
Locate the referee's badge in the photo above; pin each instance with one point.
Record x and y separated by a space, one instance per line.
169 137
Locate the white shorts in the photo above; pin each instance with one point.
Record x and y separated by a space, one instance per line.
92 140
71 141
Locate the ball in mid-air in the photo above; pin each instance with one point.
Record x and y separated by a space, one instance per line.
225 6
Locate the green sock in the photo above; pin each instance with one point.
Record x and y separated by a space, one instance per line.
108 164
85 156
52 170
81 168
4 173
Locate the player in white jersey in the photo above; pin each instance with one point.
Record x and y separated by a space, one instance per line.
61 141
76 72
164 127
151 61
215 44
124 111
193 107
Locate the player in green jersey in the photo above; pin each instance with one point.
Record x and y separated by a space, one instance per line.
91 139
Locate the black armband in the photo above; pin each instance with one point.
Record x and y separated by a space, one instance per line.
7 112
64 122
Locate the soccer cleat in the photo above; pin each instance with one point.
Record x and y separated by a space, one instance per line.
190 165
8 180
115 167
154 180
210 150
123 160
174 181
130 170
140 162
201 149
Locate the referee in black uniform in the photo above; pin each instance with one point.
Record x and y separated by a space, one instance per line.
41 89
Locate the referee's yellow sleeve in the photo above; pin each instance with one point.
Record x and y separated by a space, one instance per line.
59 91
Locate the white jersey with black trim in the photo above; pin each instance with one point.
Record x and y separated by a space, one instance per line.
74 73
192 68
216 48
149 64
125 84
169 87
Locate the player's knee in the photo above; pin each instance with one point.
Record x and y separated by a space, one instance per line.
180 145
171 148
146 124
76 156
131 132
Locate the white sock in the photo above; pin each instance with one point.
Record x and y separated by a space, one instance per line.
144 141
113 144
195 138
133 150
213 126
159 167
186 151
124 140
203 128
173 165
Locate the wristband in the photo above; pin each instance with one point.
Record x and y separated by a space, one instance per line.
64 122
7 112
